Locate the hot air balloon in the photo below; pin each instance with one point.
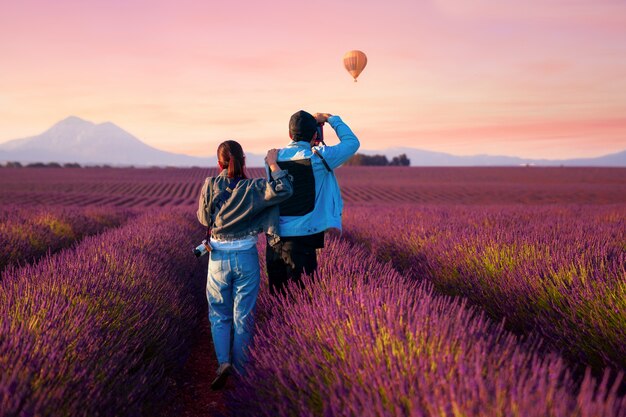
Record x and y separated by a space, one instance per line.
354 61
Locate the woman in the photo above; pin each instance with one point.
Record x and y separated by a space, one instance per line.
235 210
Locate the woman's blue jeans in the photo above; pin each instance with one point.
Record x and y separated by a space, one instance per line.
232 289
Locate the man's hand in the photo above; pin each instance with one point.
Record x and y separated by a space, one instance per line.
322 117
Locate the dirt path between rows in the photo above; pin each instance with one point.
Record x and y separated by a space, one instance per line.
193 396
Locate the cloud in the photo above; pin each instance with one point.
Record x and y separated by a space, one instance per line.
556 138
550 128
609 12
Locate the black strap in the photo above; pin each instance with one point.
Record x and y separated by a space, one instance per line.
323 160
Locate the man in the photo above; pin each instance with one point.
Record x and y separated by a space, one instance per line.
316 204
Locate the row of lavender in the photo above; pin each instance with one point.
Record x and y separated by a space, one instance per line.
26 234
362 340
94 330
560 271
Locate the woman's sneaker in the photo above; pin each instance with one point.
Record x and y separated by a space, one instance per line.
221 376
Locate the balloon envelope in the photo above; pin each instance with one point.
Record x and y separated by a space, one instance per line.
354 61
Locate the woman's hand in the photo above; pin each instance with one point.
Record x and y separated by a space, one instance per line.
271 158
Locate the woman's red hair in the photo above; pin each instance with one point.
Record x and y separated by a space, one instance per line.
230 156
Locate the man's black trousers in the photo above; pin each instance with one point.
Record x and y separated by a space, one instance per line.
287 261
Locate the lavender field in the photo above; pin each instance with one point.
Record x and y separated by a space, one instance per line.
95 330
27 233
557 270
452 292
363 340
126 187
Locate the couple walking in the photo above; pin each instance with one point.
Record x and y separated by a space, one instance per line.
298 202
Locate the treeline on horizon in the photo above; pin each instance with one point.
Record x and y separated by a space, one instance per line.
15 164
357 160
378 160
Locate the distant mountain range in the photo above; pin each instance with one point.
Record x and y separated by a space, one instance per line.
420 157
77 140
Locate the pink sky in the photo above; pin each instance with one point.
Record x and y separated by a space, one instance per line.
541 78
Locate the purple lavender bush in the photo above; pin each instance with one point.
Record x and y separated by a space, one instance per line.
95 330
361 340
556 270
26 234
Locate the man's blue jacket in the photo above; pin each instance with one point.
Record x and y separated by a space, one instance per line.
328 203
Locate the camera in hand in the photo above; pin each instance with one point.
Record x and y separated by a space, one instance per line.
201 249
320 133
